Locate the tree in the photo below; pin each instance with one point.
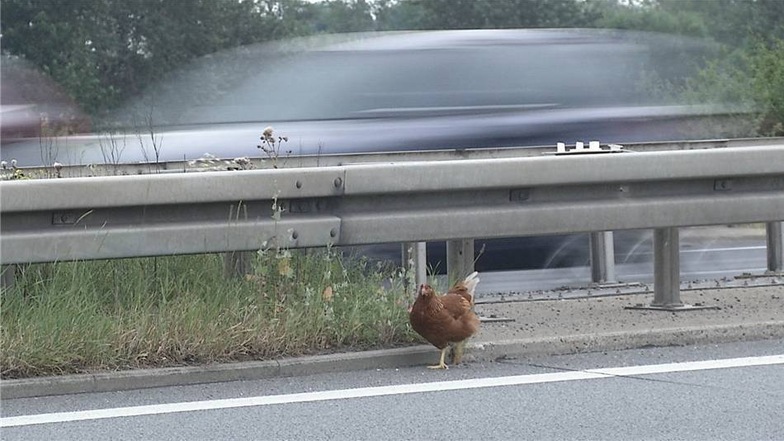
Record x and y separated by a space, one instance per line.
342 16
398 15
103 51
477 14
732 22
63 40
650 16
748 73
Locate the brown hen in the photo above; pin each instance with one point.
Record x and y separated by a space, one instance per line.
446 319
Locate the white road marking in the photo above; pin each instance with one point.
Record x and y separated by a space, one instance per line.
438 386
689 273
721 250
711 250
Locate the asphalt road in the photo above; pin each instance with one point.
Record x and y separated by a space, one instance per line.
704 264
713 257
700 245
540 263
717 392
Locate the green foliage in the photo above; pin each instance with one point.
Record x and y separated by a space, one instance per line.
767 73
342 16
393 15
122 314
103 51
723 81
653 19
478 14
734 22
747 83
747 75
58 38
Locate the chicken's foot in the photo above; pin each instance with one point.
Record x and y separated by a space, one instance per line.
441 364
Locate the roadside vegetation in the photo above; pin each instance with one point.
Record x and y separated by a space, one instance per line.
171 311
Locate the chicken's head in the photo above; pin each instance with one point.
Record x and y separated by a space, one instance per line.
426 290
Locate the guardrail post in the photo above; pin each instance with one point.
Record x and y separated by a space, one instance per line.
8 276
775 242
667 273
414 265
459 259
602 257
666 268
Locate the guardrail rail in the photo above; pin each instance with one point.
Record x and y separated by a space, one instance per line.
360 202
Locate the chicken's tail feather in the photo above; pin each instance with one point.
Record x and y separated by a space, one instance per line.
470 283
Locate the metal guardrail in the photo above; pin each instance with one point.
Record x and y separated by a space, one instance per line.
50 220
109 168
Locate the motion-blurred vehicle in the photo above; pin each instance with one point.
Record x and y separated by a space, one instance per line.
32 105
398 91
402 91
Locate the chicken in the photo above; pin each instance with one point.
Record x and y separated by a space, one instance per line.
446 319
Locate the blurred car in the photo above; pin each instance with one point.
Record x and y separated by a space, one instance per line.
402 91
33 105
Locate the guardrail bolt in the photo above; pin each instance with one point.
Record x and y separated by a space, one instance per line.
64 218
294 235
333 232
722 185
298 184
519 194
338 182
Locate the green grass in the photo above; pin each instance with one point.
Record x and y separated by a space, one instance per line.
171 311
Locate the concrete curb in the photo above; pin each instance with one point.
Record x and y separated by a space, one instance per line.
179 376
384 359
615 341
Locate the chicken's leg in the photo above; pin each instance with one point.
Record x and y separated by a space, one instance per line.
441 364
457 352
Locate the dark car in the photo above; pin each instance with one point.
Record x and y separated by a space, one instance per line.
400 91
407 91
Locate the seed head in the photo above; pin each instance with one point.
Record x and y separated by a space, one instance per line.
266 135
